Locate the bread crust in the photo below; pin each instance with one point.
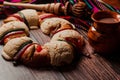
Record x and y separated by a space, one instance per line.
50 24
39 58
12 46
31 17
61 53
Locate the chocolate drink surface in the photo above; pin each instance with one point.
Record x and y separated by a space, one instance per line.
108 20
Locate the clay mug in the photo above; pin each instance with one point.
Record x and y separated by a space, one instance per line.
106 21
104 35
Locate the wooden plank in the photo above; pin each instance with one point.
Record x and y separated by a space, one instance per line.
39 37
96 68
10 72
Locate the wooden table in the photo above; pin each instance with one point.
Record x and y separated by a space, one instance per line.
94 68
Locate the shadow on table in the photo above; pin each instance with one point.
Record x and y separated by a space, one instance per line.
114 59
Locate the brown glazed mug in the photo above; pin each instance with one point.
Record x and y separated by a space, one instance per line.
104 35
106 21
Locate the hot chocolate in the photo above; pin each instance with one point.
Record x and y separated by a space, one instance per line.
108 20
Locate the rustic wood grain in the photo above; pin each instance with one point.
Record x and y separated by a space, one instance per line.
95 68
